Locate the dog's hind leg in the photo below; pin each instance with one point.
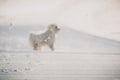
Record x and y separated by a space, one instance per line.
35 47
39 48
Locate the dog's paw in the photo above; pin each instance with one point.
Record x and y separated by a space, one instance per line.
52 48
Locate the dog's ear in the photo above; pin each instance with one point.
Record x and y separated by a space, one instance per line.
50 27
53 28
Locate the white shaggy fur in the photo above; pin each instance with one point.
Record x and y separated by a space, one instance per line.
38 40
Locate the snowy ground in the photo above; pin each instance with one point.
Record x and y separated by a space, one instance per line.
59 66
86 48
77 56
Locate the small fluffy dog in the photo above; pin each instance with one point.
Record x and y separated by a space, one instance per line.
38 40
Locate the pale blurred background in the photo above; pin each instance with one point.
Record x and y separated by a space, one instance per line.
78 19
86 48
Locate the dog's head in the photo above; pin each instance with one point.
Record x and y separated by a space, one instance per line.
54 28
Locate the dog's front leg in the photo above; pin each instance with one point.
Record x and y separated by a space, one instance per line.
52 47
51 44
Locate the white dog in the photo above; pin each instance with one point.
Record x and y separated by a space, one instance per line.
38 40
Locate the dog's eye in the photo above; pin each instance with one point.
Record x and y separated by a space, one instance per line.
55 26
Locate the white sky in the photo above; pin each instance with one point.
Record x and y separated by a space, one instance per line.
97 17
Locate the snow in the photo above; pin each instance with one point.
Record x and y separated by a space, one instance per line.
59 66
86 48
67 40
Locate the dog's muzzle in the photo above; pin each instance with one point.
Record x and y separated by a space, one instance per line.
58 29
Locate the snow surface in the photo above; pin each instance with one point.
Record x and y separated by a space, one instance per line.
59 66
